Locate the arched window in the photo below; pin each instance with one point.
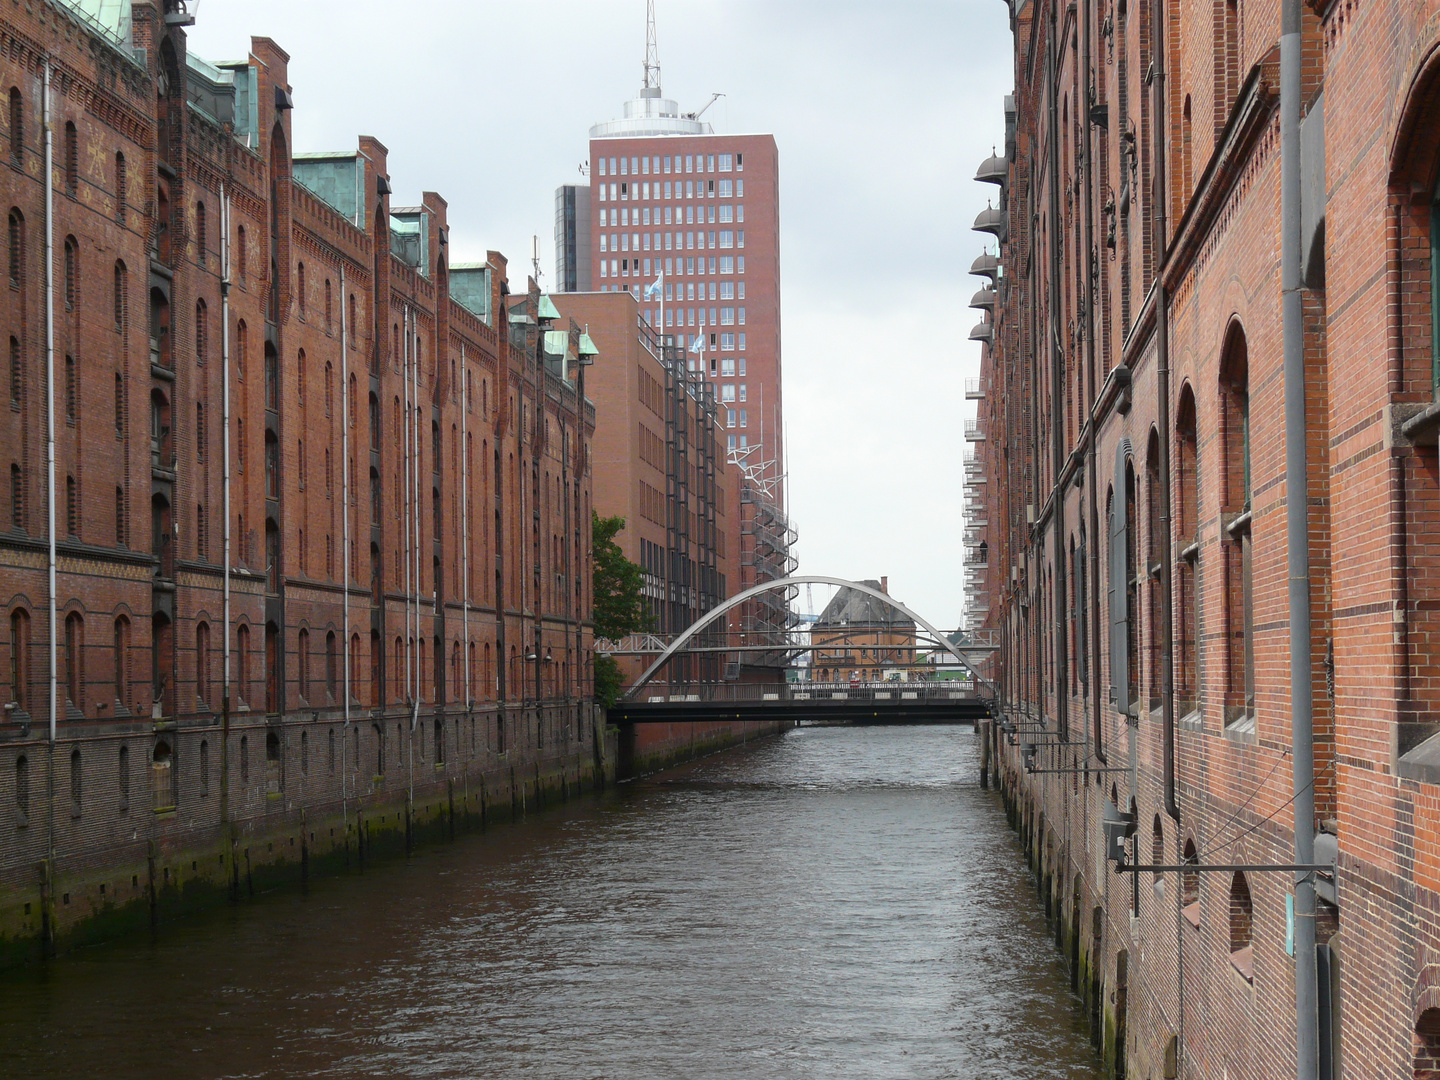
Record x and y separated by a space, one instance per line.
242 663
1187 536
202 663
332 666
1427 1045
376 672
1242 916
329 388
300 289
302 659
1239 558
1190 885
329 307
75 659
242 251
121 656
354 669
1186 153
20 658
163 784
17 371
122 770
200 233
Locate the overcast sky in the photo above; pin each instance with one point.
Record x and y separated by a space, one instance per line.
881 111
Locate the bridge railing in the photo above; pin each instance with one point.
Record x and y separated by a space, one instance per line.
946 690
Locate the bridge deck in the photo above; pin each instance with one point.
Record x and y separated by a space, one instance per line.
897 703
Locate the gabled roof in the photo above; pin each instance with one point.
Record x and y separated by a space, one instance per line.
851 608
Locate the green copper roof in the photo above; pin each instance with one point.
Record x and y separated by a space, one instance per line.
587 346
547 308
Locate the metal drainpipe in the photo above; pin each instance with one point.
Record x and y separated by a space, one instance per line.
225 485
1092 538
1162 349
48 125
1057 453
1307 1035
1162 356
345 541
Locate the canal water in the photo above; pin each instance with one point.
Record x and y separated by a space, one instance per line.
837 902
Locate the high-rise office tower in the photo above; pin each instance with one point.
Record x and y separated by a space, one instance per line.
671 199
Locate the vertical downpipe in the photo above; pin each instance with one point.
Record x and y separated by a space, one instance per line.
225 487
1059 654
345 541
1307 1034
407 498
48 901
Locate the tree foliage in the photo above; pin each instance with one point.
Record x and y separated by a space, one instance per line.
619 605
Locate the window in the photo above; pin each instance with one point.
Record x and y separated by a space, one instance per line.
17 248
74 644
72 507
332 661
1242 915
200 233
202 331
202 662
72 273
1190 885
122 184
17 126
120 537
300 290
1238 564
77 783
20 658
729 418
72 391
17 497
120 299
17 372
72 160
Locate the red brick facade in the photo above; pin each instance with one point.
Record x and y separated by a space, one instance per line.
369 379
1116 235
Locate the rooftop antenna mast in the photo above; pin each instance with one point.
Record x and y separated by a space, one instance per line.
652 52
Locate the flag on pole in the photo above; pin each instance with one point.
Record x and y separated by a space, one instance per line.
653 289
698 345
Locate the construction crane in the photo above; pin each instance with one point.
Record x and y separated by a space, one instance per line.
696 115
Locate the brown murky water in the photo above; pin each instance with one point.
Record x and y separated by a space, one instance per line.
839 902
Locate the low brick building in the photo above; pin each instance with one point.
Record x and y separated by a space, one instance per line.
1132 555
345 600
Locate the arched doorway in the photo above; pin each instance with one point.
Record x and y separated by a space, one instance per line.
162 776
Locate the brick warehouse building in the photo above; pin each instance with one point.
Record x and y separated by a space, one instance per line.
408 492
1132 439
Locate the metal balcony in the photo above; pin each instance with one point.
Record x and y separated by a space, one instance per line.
974 389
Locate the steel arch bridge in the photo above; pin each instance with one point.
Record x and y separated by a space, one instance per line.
936 636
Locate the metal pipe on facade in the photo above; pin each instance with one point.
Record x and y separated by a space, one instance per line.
48 126
411 657
225 488
1302 719
345 541
464 451
1056 576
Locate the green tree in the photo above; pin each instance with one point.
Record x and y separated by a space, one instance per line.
619 606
